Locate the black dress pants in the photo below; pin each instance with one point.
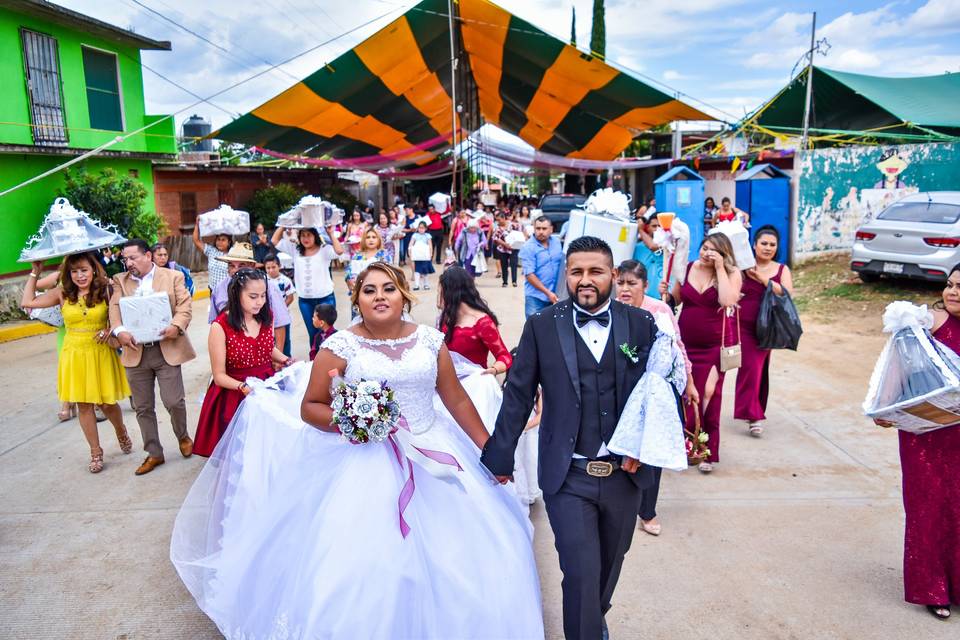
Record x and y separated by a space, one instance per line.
593 521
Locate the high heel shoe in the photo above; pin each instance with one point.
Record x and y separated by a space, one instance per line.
126 444
69 413
938 612
96 460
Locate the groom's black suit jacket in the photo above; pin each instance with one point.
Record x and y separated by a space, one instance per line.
547 357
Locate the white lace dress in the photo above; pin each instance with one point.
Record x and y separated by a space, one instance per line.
290 532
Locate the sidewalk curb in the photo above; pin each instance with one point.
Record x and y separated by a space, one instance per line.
9 333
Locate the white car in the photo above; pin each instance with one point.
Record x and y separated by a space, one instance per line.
915 237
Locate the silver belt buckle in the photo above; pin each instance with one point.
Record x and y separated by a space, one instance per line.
599 469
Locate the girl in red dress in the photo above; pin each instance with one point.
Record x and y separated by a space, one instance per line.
241 346
931 490
753 377
468 324
712 285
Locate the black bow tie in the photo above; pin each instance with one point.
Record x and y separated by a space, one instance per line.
602 318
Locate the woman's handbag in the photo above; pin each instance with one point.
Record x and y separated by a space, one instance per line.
778 323
731 357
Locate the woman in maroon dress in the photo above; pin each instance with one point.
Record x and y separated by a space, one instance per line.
753 377
241 346
711 286
468 324
931 490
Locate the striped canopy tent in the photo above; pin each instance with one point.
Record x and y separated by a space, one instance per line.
386 102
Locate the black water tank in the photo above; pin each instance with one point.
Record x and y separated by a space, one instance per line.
197 127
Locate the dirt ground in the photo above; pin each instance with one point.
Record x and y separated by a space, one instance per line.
795 535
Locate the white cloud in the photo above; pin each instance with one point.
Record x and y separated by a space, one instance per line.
941 16
670 75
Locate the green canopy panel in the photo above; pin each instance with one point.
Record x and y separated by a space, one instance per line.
856 103
387 100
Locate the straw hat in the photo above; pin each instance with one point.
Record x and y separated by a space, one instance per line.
239 252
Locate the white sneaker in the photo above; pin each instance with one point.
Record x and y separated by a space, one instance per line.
756 429
426 286
705 467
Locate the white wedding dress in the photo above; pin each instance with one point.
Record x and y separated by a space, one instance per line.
293 533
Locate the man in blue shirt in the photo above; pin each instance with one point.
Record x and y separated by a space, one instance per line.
542 258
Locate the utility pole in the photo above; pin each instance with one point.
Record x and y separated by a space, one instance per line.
453 107
806 107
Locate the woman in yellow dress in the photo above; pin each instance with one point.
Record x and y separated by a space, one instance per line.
89 371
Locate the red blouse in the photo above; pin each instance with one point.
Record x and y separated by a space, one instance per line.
476 342
244 352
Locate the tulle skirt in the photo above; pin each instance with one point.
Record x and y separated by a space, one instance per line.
290 532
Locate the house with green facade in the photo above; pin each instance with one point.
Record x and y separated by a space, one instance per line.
71 84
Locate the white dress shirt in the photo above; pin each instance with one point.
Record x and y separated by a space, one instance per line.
595 336
145 288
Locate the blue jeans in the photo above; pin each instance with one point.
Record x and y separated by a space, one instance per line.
307 305
532 305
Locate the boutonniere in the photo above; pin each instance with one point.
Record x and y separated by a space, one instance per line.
630 352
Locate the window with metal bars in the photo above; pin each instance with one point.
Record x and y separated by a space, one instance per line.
103 90
41 60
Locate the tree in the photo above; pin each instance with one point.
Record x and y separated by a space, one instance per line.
573 27
114 199
598 36
268 203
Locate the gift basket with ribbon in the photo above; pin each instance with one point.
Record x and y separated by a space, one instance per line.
915 384
224 220
65 231
312 212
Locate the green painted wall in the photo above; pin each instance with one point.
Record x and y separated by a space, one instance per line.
14 104
22 211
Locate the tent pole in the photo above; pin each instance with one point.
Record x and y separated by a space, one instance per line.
453 106
806 107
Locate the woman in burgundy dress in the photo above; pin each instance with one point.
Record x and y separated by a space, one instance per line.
468 324
711 286
753 377
241 346
931 490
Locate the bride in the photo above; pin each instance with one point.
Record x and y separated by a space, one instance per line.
292 532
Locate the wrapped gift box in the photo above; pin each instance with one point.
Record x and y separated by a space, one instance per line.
740 239
224 220
915 384
65 231
619 233
145 317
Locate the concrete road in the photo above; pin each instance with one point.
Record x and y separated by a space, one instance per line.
796 535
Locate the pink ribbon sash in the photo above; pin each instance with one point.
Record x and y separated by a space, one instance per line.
409 486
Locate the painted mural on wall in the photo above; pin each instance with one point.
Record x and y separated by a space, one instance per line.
842 188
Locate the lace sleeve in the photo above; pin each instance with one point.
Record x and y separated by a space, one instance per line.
340 344
432 338
490 335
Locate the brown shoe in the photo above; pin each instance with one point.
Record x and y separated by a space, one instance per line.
186 447
149 464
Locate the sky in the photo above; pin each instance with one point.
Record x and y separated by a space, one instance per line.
726 57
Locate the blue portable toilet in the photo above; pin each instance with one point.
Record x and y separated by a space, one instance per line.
763 191
680 190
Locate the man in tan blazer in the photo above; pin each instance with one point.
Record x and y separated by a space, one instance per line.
156 361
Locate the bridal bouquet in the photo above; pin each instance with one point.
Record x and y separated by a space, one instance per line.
364 411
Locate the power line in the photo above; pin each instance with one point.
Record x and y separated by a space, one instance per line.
124 136
205 39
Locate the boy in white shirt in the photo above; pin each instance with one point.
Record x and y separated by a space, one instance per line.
271 264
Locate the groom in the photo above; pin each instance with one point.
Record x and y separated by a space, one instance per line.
586 353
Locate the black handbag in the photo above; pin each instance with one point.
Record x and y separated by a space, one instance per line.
778 323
